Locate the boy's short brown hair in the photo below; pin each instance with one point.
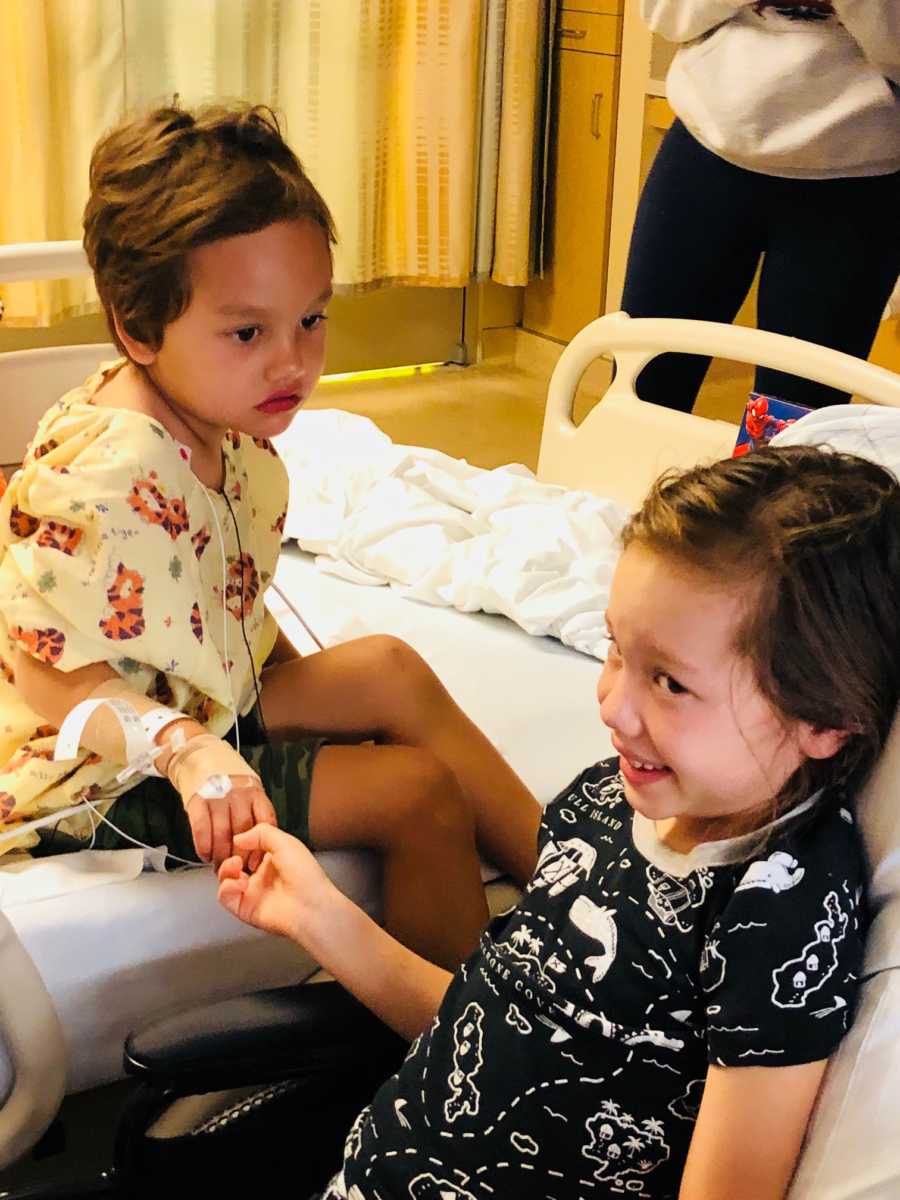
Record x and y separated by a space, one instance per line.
172 180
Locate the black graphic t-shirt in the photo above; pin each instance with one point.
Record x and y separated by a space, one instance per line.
570 1053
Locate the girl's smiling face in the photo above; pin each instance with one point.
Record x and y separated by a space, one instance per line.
697 739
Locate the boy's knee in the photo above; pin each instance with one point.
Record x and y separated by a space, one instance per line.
429 801
407 687
389 657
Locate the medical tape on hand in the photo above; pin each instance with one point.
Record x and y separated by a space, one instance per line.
204 767
139 731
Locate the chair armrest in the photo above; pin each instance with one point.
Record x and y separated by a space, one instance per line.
283 1033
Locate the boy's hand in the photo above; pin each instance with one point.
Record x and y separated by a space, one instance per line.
283 892
216 823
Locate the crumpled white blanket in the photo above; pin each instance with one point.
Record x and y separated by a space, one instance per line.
869 430
447 533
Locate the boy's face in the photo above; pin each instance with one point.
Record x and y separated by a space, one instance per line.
249 348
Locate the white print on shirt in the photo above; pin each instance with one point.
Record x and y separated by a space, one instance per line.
623 1148
777 873
606 794
598 924
399 1106
427 1187
670 896
465 1097
839 1003
354 1137
797 978
626 1034
561 865
524 1143
687 1105
525 947
517 1021
712 975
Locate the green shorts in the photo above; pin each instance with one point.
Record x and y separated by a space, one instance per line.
152 812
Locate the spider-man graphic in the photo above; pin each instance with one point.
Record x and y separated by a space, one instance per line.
760 425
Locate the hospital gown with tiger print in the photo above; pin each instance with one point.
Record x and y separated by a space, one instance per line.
569 1055
110 553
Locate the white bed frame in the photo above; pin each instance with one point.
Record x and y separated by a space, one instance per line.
618 449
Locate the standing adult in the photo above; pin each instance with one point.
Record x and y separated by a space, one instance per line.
786 146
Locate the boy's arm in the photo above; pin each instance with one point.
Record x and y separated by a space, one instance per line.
214 820
289 894
749 1131
283 651
684 20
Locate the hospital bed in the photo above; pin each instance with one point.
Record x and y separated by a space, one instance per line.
85 958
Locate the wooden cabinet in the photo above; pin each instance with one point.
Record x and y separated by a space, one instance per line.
572 291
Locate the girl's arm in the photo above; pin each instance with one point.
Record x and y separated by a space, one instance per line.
875 26
290 894
684 20
749 1131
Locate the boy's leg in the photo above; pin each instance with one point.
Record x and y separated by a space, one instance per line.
379 688
403 803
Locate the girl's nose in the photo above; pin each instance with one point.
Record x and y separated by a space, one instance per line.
618 706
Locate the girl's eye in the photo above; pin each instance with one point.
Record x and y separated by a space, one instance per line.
247 334
613 654
670 685
313 321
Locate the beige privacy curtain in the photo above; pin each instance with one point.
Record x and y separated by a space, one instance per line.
514 116
382 100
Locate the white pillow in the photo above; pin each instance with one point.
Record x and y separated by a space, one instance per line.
852 1150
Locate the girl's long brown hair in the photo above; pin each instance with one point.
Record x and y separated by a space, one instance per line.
814 537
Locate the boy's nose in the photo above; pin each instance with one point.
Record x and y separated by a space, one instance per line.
289 364
618 708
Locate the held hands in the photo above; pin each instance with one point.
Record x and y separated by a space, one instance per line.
220 793
216 821
284 893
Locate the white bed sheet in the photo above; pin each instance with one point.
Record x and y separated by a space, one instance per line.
130 951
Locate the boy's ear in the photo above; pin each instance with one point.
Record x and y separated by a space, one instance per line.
139 352
822 743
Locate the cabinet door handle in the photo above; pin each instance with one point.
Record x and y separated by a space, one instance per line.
595 114
577 34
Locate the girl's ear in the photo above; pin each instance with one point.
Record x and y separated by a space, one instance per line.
139 352
821 743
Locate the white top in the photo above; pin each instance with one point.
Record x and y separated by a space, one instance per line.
798 98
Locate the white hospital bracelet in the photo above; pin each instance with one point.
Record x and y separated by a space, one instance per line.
139 732
157 719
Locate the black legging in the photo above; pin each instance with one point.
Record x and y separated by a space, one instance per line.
831 252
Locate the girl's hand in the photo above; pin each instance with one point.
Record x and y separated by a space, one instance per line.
216 823
284 893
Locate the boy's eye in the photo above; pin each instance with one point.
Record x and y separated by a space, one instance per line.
246 334
313 321
670 685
